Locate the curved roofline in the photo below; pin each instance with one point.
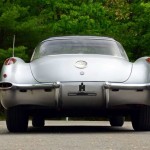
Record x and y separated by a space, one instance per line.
79 36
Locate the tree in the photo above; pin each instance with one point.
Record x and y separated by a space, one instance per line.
130 25
33 21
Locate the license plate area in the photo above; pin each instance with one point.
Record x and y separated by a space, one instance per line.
82 95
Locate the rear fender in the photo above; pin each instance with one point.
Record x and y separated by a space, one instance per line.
18 72
140 72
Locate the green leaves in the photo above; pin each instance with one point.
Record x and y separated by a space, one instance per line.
11 15
33 21
79 18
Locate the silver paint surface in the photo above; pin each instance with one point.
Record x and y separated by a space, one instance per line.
61 68
34 83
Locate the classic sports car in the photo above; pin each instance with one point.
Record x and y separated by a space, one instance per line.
76 76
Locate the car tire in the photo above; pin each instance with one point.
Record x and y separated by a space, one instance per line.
141 119
38 122
116 121
16 119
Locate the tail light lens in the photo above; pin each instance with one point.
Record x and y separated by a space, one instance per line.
10 61
5 75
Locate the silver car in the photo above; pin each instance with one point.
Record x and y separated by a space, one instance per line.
76 76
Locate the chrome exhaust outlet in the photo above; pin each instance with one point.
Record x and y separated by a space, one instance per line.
5 85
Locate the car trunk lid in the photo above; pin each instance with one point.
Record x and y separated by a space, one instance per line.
81 67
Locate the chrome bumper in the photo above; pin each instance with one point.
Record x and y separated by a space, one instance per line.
8 86
53 94
126 94
43 94
122 86
107 85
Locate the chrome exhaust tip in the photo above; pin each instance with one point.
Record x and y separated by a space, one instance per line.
5 85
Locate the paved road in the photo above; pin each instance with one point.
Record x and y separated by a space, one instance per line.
75 135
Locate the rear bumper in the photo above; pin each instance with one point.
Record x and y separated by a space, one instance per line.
126 94
29 94
122 86
96 95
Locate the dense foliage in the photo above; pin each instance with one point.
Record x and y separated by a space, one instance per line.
32 21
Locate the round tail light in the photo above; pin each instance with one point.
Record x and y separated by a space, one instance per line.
10 61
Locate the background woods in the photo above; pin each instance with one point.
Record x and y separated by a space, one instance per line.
128 21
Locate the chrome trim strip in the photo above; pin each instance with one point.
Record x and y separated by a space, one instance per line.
109 85
30 86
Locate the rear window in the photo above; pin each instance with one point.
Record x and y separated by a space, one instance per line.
77 46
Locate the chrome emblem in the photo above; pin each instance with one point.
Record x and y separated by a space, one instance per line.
81 64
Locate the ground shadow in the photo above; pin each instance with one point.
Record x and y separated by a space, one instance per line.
78 129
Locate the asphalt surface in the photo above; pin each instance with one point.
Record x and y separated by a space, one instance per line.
75 135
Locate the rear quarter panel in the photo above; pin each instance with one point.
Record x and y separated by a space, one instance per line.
140 72
19 73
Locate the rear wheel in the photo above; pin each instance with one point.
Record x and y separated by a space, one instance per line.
38 121
141 119
117 121
16 119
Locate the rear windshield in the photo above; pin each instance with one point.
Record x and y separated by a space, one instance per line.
78 46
